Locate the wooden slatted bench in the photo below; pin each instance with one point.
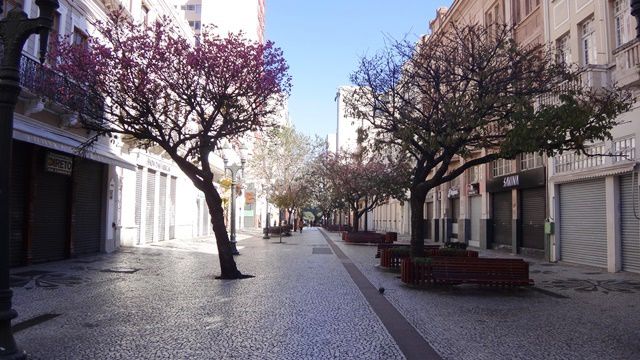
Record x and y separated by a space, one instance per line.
391 260
467 270
387 246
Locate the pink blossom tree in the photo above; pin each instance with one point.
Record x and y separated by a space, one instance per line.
364 183
160 89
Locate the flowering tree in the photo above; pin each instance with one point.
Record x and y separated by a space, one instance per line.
363 184
470 92
161 90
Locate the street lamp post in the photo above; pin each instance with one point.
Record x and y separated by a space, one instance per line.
266 234
233 169
15 29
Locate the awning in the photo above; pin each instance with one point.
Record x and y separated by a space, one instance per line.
619 168
44 135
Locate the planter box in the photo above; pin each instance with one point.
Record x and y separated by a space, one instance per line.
363 237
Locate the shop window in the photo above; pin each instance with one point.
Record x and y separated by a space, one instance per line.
501 167
79 37
473 174
624 149
145 15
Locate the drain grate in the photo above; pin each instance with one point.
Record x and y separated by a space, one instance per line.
321 251
33 322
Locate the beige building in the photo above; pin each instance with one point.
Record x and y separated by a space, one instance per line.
247 16
594 200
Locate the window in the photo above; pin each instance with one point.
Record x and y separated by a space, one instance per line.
531 161
621 13
563 49
79 37
145 15
624 149
578 161
501 167
473 174
195 25
588 42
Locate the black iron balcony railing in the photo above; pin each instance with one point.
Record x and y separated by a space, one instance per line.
47 83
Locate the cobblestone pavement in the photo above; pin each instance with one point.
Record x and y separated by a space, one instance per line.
162 302
574 312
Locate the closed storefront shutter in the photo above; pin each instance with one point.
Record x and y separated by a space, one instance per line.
51 213
138 215
20 164
476 213
172 211
89 184
205 218
429 221
533 213
151 206
455 214
583 224
629 224
162 208
502 218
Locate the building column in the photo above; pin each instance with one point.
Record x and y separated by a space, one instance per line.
516 240
614 241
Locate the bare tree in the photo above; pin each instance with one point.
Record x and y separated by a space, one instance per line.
469 88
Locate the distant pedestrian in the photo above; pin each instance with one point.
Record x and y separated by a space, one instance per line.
300 225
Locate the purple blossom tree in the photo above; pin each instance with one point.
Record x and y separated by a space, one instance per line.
160 89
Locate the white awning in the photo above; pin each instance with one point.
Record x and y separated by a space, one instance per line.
44 135
619 168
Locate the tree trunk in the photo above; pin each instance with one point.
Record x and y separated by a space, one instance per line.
228 267
356 218
417 219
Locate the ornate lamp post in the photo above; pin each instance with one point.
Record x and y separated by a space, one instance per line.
15 29
234 169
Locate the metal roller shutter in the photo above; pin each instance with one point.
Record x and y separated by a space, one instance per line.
151 206
88 207
629 224
138 214
162 208
51 214
20 164
429 221
502 218
476 213
455 214
583 223
533 213
172 210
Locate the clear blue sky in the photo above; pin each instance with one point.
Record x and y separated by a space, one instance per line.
322 41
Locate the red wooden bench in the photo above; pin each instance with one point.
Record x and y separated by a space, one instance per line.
387 246
363 237
461 270
392 260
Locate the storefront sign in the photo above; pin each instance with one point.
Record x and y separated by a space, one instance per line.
453 192
156 164
510 181
521 180
59 164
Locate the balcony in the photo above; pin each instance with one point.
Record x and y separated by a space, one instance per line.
627 59
61 95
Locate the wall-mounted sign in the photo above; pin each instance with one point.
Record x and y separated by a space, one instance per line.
473 189
453 192
521 180
58 164
510 181
156 164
